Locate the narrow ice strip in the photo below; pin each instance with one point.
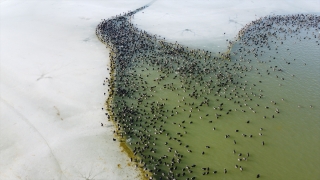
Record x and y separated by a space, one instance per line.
209 24
51 79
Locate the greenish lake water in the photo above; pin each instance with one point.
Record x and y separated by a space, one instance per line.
187 113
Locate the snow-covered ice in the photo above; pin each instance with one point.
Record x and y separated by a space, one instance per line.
208 24
53 67
52 71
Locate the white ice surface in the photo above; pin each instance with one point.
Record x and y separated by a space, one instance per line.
53 66
202 24
51 76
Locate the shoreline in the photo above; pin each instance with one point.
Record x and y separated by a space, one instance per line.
108 106
109 102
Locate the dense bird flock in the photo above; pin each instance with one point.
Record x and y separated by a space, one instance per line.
167 99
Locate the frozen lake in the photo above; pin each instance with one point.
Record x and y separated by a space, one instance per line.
52 73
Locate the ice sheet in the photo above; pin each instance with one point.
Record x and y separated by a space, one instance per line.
208 24
52 73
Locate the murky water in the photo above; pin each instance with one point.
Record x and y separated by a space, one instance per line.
186 113
291 138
